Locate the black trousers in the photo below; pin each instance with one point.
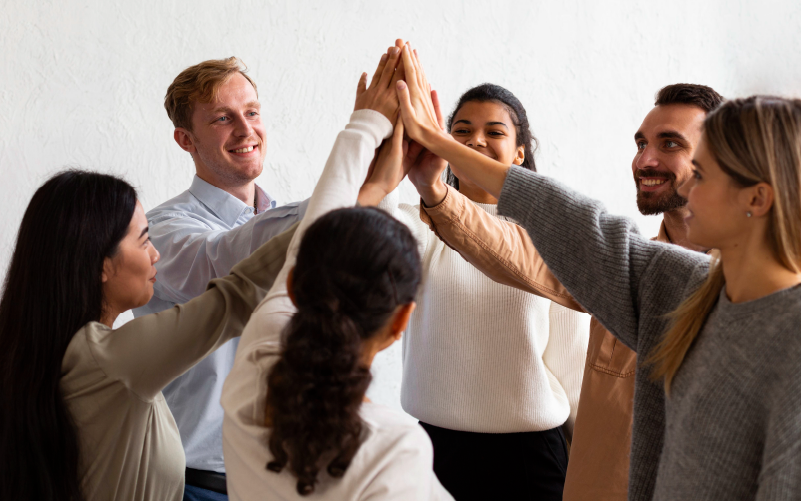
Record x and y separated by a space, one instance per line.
502 466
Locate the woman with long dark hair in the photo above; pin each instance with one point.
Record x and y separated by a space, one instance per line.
296 420
717 338
489 370
82 414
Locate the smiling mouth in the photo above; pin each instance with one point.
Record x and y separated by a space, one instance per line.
651 182
246 149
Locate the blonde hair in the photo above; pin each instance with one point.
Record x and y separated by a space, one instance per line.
200 83
754 140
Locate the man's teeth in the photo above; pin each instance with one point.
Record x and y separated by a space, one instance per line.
244 150
651 182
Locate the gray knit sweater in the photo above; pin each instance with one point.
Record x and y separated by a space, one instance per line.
731 428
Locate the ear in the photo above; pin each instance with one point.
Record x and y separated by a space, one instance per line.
401 320
760 199
521 155
185 139
289 292
108 270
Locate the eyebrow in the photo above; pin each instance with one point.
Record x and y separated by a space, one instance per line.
695 162
252 104
671 134
144 231
468 122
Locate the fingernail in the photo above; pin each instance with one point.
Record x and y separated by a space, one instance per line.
383 57
401 84
393 51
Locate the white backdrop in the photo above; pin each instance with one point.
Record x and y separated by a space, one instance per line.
83 82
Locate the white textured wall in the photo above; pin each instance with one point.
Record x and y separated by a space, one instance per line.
83 81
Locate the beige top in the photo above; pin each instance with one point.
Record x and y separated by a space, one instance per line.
112 380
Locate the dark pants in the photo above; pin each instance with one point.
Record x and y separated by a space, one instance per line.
508 466
192 493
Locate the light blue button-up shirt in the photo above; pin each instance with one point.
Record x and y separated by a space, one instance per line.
201 234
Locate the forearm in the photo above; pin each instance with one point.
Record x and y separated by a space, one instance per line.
466 163
601 259
150 351
500 249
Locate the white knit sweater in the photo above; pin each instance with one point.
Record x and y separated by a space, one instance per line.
483 357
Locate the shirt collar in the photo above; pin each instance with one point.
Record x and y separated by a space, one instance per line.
224 205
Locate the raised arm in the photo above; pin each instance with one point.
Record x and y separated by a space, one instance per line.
194 253
148 352
500 249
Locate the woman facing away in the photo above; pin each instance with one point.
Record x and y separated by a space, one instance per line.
720 337
489 370
83 416
296 421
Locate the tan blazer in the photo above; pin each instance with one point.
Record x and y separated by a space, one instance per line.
599 457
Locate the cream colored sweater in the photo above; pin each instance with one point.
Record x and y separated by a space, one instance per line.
483 357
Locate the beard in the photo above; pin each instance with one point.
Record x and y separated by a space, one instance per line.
650 203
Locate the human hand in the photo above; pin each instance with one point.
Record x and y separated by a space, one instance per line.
425 168
381 96
388 169
416 106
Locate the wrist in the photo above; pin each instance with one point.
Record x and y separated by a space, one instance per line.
433 194
371 194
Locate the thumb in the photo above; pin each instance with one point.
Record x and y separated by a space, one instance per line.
397 134
405 101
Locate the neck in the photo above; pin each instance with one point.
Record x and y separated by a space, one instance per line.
676 229
752 271
243 191
476 194
108 318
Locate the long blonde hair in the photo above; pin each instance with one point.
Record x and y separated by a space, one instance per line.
754 140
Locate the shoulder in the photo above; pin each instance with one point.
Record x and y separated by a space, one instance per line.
394 433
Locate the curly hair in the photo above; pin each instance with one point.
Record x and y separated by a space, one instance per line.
354 268
488 92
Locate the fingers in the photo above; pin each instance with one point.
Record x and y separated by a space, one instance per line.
379 70
397 134
405 101
437 109
362 85
408 65
389 67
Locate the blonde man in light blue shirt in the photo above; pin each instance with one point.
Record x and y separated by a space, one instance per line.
203 232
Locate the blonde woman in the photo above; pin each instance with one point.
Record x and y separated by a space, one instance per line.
719 338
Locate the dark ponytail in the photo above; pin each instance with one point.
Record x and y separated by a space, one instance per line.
52 288
354 268
491 92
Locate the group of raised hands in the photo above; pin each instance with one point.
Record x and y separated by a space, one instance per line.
420 147
400 91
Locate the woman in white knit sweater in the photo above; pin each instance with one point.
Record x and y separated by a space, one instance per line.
491 372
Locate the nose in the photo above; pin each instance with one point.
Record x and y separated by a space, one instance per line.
243 127
155 255
646 158
477 139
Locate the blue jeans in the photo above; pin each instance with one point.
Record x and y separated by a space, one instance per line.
192 493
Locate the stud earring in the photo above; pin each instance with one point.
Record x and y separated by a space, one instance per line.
748 214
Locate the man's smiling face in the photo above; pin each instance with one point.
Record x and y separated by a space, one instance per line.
666 141
228 136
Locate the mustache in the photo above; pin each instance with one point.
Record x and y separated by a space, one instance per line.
654 173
